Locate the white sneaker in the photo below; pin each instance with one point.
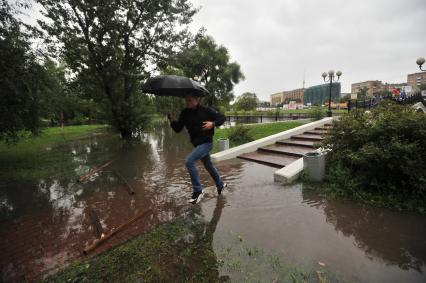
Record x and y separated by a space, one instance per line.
219 191
196 197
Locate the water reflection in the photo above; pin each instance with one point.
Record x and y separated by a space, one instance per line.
46 223
201 242
390 236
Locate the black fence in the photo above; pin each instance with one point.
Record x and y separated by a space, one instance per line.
374 102
265 118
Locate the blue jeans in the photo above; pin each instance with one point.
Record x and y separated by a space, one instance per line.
202 152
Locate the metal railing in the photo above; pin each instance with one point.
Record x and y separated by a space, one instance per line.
266 117
374 102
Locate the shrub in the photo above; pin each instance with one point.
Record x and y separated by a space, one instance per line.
316 113
379 154
239 134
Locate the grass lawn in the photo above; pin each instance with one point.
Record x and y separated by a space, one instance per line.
26 159
257 131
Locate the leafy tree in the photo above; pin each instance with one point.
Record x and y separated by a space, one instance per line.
62 100
422 87
116 45
385 93
210 64
362 93
21 76
264 104
247 101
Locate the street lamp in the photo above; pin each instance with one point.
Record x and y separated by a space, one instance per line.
331 78
420 62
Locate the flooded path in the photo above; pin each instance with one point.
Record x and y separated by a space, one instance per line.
45 224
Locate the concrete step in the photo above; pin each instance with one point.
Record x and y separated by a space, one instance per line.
316 132
267 158
322 129
292 150
307 137
308 144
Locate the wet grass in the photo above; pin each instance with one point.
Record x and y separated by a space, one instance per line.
25 160
257 131
182 251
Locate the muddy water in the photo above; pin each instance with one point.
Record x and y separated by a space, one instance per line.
356 242
45 224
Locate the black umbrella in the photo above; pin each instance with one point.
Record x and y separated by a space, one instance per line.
174 86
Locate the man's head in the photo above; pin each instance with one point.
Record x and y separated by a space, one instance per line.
191 101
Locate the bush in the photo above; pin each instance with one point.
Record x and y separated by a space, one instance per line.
379 156
240 134
316 113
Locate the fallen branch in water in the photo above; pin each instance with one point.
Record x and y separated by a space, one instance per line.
130 188
98 242
94 219
93 171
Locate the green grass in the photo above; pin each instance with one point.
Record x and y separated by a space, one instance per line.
182 251
257 131
32 157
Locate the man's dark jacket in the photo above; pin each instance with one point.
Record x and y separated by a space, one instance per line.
193 120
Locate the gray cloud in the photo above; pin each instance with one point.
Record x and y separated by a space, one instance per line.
277 41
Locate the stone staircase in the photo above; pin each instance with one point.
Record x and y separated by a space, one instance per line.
284 152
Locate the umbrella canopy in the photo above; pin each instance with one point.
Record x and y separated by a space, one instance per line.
174 86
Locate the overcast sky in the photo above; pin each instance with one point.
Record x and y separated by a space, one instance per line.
277 41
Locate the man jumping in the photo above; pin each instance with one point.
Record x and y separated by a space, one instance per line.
199 122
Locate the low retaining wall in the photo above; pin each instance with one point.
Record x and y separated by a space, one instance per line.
254 145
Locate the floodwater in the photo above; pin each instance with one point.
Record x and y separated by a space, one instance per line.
45 224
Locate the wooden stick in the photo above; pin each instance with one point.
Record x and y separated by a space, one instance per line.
94 219
98 242
93 171
131 190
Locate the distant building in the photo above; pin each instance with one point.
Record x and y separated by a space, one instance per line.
285 97
317 95
416 79
277 98
373 87
293 95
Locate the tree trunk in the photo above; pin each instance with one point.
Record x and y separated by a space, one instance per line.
125 133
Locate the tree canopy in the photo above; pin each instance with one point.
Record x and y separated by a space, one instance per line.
247 101
21 76
209 63
362 92
114 45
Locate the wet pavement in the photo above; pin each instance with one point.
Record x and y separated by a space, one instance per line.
45 224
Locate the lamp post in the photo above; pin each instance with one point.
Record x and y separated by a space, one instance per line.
420 61
331 78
